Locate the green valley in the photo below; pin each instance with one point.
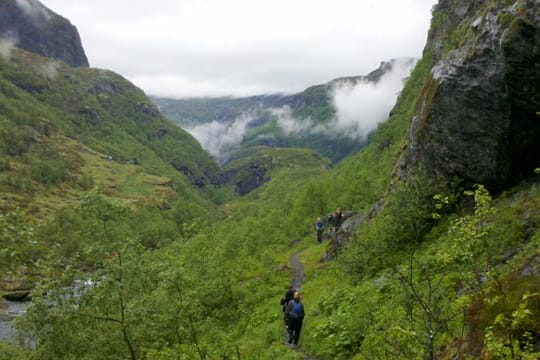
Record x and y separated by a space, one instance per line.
129 241
308 119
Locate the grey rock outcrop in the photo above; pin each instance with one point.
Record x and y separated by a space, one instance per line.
35 28
247 178
338 239
476 119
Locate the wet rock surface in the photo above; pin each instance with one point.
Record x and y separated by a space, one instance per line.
477 117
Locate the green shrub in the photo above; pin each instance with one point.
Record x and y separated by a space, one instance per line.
48 172
5 164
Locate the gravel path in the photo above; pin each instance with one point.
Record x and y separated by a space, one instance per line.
298 275
297 280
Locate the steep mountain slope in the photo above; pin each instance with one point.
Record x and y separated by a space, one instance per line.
436 268
54 116
33 27
303 120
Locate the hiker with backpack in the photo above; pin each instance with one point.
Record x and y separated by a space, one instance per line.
285 300
338 219
319 228
334 220
295 315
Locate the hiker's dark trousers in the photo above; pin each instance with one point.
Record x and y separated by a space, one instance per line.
295 326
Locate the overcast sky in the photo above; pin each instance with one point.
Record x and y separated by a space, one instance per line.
182 48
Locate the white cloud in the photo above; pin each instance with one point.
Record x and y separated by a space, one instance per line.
33 8
49 69
217 138
6 47
244 47
289 124
361 107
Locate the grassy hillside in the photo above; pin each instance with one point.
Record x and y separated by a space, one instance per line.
66 130
256 166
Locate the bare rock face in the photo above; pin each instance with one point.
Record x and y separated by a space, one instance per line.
33 27
477 117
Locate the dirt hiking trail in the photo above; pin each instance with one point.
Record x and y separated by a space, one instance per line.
297 280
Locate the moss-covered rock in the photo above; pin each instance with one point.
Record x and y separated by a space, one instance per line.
476 117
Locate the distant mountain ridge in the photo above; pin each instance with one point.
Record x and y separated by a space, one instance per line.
35 28
309 114
189 111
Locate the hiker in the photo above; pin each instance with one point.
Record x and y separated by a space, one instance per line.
338 219
285 300
319 227
331 222
295 314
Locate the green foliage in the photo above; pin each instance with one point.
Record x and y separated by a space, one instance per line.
48 173
87 182
470 245
511 334
5 164
504 19
10 351
18 242
405 219
192 283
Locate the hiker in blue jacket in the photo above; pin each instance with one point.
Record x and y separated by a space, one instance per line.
319 228
295 313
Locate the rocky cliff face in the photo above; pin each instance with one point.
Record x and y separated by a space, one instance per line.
35 28
477 116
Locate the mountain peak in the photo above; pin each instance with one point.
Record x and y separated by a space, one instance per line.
377 74
35 28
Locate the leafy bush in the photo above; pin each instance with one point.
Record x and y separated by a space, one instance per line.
5 164
49 172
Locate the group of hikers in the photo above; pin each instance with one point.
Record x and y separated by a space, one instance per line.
293 314
293 309
334 220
